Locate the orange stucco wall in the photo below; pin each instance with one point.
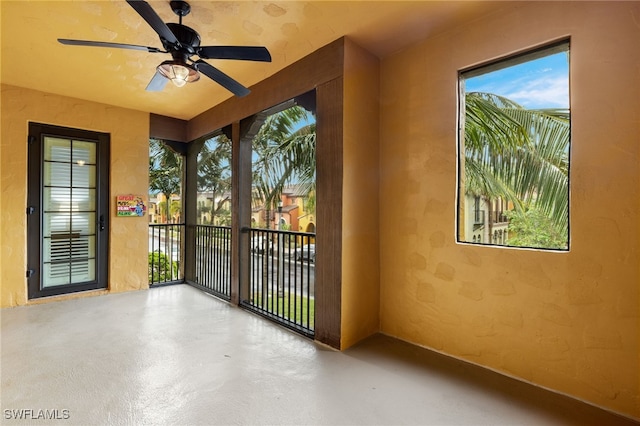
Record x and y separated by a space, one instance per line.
565 321
360 275
129 175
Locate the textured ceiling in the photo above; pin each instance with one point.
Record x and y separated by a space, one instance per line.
31 56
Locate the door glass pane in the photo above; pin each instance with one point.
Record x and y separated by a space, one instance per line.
83 271
53 222
83 153
83 199
84 223
56 199
57 149
55 274
60 173
84 175
69 218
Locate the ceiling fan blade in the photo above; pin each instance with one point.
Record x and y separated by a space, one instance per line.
157 83
245 53
106 44
148 14
221 78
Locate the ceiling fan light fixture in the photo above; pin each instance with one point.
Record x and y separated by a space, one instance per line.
179 73
183 43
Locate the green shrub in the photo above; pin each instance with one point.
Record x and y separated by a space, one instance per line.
161 269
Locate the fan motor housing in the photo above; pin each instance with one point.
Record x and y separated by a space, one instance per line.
185 35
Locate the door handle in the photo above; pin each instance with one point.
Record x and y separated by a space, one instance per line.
101 223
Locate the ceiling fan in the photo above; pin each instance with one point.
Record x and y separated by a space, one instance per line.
183 43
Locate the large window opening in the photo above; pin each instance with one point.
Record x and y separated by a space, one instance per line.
282 238
166 218
212 231
514 140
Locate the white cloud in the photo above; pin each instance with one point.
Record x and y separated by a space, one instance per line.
541 92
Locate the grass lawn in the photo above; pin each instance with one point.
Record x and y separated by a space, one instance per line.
293 312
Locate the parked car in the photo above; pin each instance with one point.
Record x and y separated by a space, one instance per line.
306 252
261 245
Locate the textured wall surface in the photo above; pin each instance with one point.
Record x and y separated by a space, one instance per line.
360 315
566 321
129 175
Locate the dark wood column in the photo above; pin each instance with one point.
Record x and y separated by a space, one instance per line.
239 207
243 133
191 206
328 291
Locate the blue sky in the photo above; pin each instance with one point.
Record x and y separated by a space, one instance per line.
541 83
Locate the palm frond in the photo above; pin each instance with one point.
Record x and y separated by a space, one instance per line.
517 154
286 154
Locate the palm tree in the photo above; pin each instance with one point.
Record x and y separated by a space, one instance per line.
519 155
165 171
285 153
214 172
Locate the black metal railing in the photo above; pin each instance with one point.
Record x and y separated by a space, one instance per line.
282 278
165 249
213 259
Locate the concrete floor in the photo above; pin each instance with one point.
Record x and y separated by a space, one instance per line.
174 355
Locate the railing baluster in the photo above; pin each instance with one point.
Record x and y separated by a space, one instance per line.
213 260
165 250
280 285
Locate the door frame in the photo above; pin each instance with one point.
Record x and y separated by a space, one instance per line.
34 211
